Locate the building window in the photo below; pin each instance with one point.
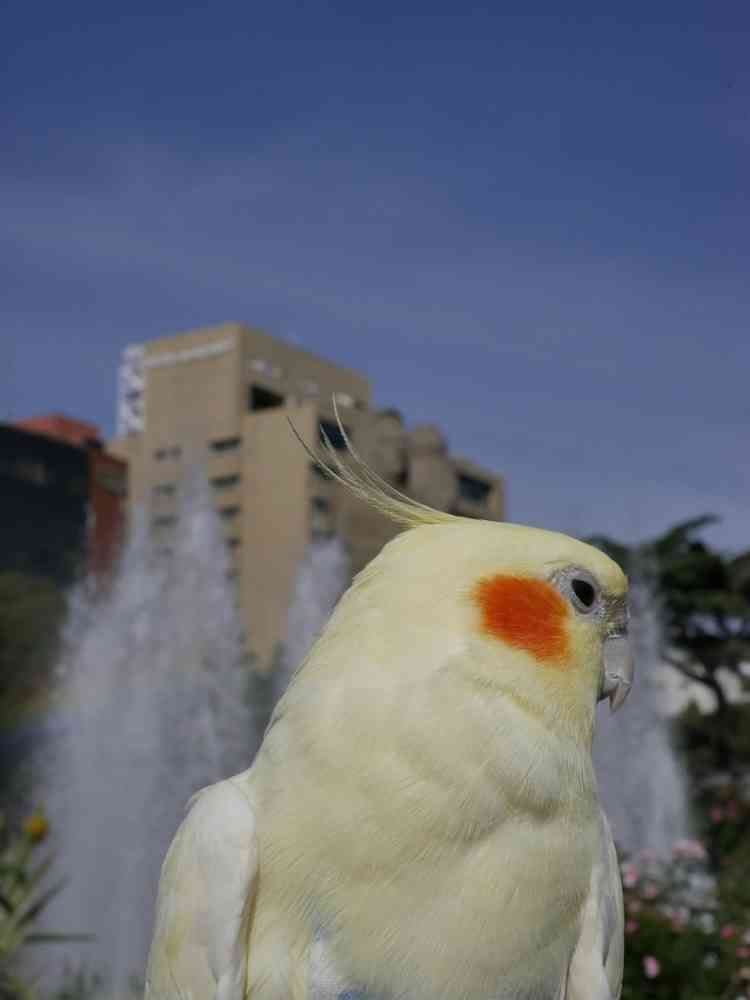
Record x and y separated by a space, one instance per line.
334 435
457 512
233 543
227 513
164 520
161 454
225 482
164 490
472 489
30 472
321 521
263 399
225 444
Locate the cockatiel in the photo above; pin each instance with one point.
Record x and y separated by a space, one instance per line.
421 821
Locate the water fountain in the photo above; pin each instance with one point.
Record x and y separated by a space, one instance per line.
152 707
640 780
323 576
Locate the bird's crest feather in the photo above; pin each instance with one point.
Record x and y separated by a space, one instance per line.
362 481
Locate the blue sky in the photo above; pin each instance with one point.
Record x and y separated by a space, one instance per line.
527 226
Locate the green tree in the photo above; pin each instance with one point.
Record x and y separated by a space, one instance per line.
31 613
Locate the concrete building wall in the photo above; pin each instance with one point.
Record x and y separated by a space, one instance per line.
275 521
222 396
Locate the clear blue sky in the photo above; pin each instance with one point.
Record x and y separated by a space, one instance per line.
529 226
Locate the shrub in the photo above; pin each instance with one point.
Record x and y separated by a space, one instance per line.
681 940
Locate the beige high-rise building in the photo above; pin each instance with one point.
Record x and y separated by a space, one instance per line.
225 395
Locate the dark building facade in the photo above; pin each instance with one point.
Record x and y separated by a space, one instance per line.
62 499
44 488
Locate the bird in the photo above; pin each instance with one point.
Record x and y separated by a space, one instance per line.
421 821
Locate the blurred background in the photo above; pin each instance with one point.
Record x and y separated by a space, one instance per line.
511 246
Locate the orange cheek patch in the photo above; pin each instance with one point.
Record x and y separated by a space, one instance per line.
525 614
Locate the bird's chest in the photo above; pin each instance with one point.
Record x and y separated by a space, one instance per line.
461 927
427 878
325 981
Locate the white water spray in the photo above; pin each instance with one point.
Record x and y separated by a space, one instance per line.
323 576
153 707
640 780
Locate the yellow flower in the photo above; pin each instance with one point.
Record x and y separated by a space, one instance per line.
36 827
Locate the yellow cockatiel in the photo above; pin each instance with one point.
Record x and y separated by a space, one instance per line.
421 821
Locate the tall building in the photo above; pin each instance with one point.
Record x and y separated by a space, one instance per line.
223 396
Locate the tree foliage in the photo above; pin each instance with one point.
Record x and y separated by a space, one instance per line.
31 612
705 604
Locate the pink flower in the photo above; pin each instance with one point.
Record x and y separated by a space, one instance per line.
727 932
631 926
743 951
650 891
651 967
716 814
689 849
629 876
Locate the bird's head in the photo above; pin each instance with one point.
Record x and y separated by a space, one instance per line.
534 615
559 603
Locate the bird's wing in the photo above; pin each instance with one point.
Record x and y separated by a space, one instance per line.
206 890
596 967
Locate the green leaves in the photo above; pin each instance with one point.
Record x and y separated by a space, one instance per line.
705 599
31 612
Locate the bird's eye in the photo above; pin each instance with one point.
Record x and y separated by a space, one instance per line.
585 591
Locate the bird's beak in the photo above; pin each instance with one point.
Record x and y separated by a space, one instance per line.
617 669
